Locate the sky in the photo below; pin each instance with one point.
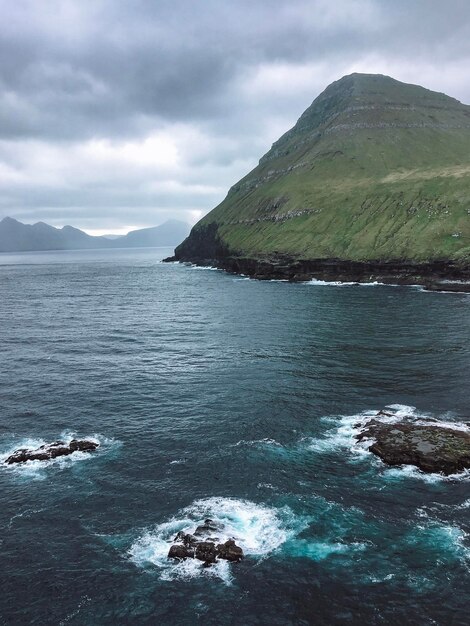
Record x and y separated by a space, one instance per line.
119 114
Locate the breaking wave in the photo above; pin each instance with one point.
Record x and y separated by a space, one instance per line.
258 529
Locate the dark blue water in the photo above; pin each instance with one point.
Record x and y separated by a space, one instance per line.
217 396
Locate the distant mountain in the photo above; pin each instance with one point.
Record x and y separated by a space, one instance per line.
374 171
170 233
18 237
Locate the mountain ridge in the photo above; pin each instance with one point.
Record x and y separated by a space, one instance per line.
374 171
18 237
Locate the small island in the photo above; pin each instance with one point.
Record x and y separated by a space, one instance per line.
356 191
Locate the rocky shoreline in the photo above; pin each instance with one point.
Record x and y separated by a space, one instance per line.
433 276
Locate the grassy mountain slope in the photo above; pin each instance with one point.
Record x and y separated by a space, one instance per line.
374 169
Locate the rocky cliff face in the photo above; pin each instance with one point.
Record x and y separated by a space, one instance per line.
374 171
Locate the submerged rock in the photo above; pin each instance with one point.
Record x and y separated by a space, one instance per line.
204 549
431 448
51 451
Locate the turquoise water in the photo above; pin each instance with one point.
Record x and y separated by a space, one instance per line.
216 396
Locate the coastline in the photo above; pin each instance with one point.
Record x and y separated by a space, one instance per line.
436 275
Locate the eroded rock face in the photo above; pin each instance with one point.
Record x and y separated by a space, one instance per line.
203 547
429 447
51 451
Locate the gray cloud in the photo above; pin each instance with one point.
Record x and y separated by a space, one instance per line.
124 113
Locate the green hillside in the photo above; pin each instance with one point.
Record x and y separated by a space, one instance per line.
374 170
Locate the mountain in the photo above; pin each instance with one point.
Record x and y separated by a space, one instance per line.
375 173
170 233
18 237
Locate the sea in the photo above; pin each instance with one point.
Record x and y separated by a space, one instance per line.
216 396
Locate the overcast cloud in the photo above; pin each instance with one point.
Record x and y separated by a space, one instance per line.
119 114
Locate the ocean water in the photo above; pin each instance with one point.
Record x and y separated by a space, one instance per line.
216 396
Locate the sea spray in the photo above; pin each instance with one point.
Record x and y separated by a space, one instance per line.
258 529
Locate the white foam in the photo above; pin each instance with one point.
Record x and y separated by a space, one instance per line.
340 283
257 529
446 537
266 486
258 442
374 283
329 283
26 513
37 470
83 601
410 471
321 550
342 436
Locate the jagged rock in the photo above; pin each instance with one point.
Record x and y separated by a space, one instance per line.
206 551
82 445
186 539
180 552
429 447
230 551
51 451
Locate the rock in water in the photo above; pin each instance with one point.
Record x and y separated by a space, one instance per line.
429 447
51 451
230 551
82 445
180 552
204 549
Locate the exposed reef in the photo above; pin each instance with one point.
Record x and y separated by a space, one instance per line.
202 546
426 445
50 451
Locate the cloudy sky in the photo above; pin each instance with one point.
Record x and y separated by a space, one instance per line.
119 114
